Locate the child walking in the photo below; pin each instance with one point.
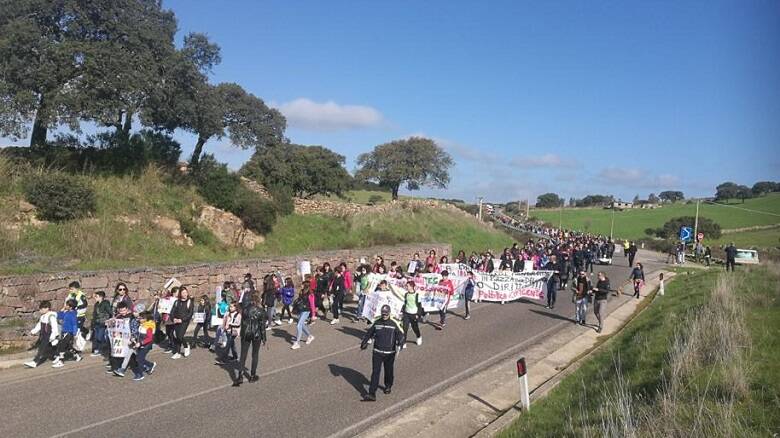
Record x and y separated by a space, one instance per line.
48 334
288 294
70 327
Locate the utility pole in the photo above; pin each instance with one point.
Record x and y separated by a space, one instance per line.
696 225
480 209
612 225
560 218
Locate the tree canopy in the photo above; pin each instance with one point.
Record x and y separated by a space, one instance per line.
764 187
549 200
729 190
416 162
671 196
671 228
306 170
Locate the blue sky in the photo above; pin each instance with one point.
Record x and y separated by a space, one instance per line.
576 97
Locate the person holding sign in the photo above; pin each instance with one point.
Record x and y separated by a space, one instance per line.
387 337
411 311
202 319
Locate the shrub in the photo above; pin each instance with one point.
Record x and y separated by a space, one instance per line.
282 199
258 214
60 197
218 186
375 199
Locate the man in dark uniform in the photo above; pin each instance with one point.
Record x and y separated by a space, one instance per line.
388 338
731 256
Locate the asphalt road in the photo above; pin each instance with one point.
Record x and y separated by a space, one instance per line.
314 391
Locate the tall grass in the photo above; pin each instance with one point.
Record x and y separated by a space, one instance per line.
699 362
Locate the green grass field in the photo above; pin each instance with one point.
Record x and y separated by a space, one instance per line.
661 348
631 224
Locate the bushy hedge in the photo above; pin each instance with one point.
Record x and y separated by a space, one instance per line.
60 197
224 190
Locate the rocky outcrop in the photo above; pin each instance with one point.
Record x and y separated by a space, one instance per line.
228 228
172 228
24 216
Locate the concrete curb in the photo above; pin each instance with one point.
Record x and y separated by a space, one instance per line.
508 417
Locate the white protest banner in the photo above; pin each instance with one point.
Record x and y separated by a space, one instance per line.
432 295
171 283
198 317
119 336
216 321
166 304
500 286
372 308
304 268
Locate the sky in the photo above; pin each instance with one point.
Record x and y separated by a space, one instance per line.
624 98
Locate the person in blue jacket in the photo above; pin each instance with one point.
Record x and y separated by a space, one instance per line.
70 326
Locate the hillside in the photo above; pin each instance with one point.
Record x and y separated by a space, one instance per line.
126 229
631 224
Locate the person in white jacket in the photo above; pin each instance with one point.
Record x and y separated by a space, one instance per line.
48 332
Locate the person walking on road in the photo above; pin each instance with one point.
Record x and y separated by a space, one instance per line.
600 295
181 314
468 293
449 290
554 282
253 321
411 311
303 305
731 256
387 336
632 249
581 289
637 277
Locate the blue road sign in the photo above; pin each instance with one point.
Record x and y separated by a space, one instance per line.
686 234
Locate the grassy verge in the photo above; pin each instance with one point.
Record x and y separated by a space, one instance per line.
700 361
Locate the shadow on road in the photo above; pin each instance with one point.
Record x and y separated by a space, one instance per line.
284 334
358 333
353 377
552 315
479 399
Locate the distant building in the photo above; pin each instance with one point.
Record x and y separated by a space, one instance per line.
620 205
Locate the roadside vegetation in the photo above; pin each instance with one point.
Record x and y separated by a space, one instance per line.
700 361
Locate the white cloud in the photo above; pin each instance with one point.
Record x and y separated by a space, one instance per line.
307 114
546 160
636 178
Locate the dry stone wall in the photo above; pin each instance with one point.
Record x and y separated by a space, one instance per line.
20 295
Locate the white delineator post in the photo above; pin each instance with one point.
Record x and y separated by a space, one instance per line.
522 376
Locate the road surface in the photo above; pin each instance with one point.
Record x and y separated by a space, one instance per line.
314 391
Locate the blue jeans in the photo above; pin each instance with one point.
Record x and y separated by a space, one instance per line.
302 327
581 306
140 357
99 338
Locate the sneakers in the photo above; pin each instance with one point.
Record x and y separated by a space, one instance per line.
108 366
295 346
253 379
403 347
309 339
370 341
187 351
289 321
31 364
369 398
167 351
120 372
95 354
57 364
268 328
151 370
176 356
78 358
467 317
387 390
138 378
278 322
334 321
419 340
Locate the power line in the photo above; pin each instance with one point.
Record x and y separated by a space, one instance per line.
742 208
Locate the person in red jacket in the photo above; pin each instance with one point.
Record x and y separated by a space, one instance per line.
449 290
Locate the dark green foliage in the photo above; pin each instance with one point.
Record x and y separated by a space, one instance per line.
282 198
594 201
374 199
257 214
415 161
60 197
218 186
671 196
549 200
306 170
764 187
730 190
671 228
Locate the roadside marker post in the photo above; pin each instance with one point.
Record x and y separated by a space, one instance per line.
522 376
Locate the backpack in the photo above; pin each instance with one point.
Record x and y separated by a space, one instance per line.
255 324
